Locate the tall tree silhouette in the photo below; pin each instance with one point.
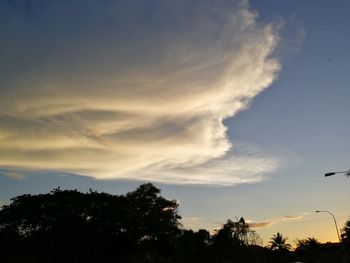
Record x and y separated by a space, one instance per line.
230 241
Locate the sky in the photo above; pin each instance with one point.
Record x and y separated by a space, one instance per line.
233 108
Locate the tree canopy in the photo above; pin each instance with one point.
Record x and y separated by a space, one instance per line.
91 225
140 226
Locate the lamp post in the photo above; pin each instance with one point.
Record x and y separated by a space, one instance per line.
335 222
346 173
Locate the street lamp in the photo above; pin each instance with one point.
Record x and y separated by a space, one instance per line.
335 222
347 173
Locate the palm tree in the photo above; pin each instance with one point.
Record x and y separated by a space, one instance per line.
278 242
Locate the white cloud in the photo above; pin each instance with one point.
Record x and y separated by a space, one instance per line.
138 92
290 218
245 163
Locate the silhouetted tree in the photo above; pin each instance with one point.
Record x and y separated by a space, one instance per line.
310 244
278 242
345 238
345 234
193 246
308 250
230 241
139 227
280 249
70 226
153 222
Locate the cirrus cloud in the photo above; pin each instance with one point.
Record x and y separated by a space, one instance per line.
273 221
133 89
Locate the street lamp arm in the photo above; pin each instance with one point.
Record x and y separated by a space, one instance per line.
335 222
347 173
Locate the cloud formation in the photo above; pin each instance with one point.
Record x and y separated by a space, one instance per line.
13 175
260 224
290 217
133 89
273 221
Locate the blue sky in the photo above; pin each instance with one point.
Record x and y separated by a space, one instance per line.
106 96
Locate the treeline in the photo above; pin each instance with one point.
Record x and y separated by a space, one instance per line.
141 226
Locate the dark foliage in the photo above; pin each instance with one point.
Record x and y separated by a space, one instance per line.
309 250
141 226
69 226
345 236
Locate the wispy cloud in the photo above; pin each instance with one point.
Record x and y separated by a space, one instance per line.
196 223
274 221
12 174
290 217
260 224
245 163
139 92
